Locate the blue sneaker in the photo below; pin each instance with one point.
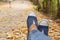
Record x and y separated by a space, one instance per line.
43 26
31 18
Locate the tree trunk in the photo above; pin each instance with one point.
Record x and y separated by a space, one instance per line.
53 9
48 6
58 9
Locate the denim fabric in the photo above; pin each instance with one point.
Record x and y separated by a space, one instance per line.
37 35
44 28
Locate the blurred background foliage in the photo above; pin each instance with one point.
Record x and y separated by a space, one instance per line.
50 7
0 0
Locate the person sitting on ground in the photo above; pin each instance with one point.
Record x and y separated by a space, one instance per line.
33 32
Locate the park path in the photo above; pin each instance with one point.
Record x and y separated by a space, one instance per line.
13 21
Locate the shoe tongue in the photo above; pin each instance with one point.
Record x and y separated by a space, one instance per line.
42 31
33 22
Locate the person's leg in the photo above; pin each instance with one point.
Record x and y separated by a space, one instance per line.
30 22
30 19
43 26
10 4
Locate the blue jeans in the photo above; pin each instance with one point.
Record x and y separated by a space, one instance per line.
37 35
30 20
44 28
